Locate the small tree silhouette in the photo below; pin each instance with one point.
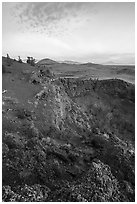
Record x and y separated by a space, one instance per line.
19 60
28 60
8 56
31 61
8 60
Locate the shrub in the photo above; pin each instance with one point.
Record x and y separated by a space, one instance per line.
22 113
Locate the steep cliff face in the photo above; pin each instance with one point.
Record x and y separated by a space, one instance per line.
58 108
110 104
51 152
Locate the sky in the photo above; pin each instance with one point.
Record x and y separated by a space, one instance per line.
78 31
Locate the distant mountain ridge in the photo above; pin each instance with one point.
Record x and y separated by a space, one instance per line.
46 61
70 62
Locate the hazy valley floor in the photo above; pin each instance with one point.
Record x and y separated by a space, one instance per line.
90 70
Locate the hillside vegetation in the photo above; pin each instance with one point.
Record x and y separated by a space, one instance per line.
66 140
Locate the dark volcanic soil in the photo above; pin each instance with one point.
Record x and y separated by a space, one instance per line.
66 139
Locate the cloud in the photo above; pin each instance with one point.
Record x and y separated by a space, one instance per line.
52 17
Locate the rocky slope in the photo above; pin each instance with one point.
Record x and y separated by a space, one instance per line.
52 150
